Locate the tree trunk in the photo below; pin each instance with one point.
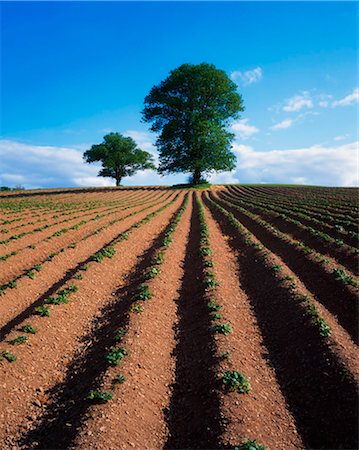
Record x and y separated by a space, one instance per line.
196 176
118 180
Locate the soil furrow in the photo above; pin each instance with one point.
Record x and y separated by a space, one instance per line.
88 369
149 367
310 376
41 364
337 298
345 255
262 414
16 306
193 416
27 257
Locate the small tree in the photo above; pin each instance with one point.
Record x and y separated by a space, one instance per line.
120 157
191 109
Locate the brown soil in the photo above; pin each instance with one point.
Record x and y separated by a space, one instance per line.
345 255
29 257
42 363
304 364
336 297
149 368
262 414
16 307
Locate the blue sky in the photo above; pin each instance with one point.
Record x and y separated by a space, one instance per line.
73 71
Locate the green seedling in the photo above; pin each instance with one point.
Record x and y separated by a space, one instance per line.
158 258
37 267
215 315
205 251
31 274
225 355
144 292
100 397
152 273
222 329
324 329
343 277
210 281
120 334
71 246
8 356
12 284
208 263
119 379
19 340
235 382
42 311
249 444
28 329
213 305
78 276
277 268
137 308
115 355
84 268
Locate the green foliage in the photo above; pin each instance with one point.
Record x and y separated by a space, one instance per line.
19 340
235 381
8 356
119 379
191 109
343 277
115 355
152 273
119 156
28 329
120 334
223 328
100 397
144 292
42 311
137 308
249 444
31 274
213 305
107 252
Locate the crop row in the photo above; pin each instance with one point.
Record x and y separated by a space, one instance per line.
232 380
13 282
72 228
344 254
336 230
62 296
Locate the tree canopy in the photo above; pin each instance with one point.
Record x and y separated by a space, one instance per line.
120 157
191 110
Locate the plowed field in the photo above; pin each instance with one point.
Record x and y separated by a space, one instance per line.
154 318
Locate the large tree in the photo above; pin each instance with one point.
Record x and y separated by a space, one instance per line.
191 109
120 157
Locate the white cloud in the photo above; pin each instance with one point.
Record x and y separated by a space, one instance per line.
348 100
44 166
286 123
298 102
317 165
243 129
342 137
248 77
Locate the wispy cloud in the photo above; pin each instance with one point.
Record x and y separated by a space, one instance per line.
317 165
298 102
248 77
342 137
243 129
348 100
286 123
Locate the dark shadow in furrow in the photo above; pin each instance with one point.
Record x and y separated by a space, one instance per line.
193 415
327 290
320 394
299 203
27 312
69 404
347 258
330 230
